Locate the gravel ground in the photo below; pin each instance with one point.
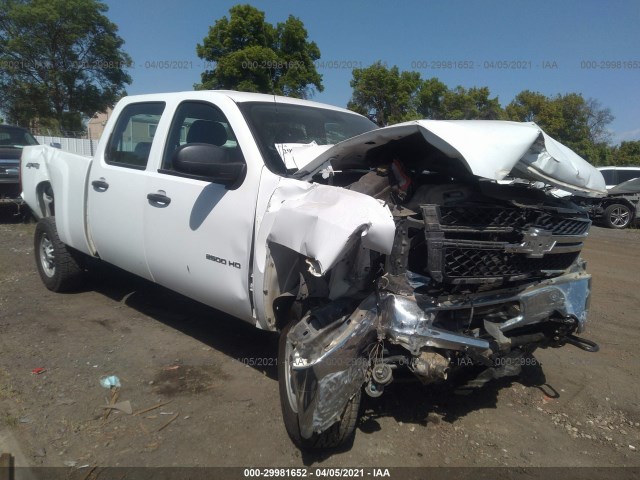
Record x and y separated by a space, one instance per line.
573 409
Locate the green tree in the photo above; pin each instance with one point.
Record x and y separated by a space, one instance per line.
570 124
471 104
385 95
578 123
436 101
528 106
598 118
627 153
60 59
600 153
249 54
430 99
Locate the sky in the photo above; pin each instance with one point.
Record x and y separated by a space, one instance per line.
590 47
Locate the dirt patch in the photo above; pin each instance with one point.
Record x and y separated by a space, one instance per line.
185 380
573 409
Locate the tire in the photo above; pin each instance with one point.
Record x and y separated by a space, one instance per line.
617 216
337 434
58 265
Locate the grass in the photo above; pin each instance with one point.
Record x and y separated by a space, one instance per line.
9 421
6 388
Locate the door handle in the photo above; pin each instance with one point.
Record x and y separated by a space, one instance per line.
158 199
100 185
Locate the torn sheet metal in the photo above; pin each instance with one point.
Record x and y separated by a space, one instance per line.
408 320
327 366
490 149
321 221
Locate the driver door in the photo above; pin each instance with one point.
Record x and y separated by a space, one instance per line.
198 235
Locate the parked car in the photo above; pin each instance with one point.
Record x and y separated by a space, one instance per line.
369 250
619 209
12 140
616 175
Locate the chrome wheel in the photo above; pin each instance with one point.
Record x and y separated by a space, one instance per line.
288 369
47 256
619 216
58 266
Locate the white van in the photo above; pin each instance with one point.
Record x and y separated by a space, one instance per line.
616 175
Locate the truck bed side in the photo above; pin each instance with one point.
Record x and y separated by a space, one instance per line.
66 174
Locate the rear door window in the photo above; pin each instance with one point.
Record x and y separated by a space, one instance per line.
130 142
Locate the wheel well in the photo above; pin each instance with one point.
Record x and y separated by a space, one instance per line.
281 283
45 198
619 201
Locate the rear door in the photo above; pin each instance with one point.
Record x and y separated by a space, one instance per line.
117 190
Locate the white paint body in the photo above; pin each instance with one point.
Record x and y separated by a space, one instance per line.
170 245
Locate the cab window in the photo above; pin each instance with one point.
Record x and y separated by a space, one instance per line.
130 142
200 122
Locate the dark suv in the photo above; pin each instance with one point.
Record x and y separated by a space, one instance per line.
12 139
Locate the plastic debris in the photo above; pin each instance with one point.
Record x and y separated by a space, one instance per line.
38 371
110 381
124 407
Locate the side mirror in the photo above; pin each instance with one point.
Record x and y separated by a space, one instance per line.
204 161
55 145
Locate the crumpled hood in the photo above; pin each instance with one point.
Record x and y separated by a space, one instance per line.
491 149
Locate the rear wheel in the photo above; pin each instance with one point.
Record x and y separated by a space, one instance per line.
617 216
58 265
337 434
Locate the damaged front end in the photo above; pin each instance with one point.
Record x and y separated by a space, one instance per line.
477 273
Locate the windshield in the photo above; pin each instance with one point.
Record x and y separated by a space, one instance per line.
290 136
11 137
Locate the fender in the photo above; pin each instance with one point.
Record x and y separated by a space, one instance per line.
320 223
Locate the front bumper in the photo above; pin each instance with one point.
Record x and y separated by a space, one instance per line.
9 186
409 320
328 367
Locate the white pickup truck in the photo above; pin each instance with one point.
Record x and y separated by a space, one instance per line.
372 251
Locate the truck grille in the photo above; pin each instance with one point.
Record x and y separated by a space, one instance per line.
510 219
474 263
472 244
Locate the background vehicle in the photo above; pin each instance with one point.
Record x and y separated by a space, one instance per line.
616 175
12 140
619 209
370 250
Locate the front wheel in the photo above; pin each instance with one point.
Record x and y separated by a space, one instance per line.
617 216
57 264
337 434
